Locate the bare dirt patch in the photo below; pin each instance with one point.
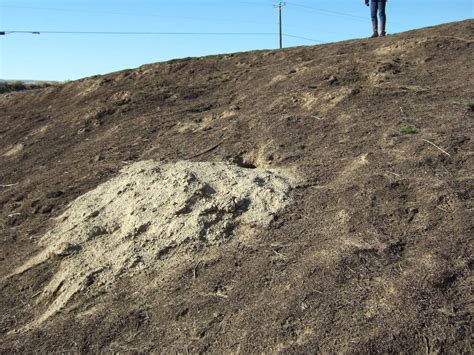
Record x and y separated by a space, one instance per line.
152 211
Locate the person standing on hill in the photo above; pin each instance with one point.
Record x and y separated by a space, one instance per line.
377 6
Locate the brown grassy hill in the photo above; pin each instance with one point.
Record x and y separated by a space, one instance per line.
374 252
19 85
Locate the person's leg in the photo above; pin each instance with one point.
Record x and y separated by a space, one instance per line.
374 4
383 17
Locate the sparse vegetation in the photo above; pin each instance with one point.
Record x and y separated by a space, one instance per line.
18 85
409 130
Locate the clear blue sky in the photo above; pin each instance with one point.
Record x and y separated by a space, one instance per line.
72 56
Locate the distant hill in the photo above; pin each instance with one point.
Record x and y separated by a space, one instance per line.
21 85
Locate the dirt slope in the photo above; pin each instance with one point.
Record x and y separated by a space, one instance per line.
374 252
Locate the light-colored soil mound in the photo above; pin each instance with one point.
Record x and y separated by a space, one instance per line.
152 211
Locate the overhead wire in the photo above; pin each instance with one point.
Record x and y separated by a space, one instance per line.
331 12
164 33
334 13
313 9
304 38
308 7
117 13
148 33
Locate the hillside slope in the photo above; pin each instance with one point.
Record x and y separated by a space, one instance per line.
373 253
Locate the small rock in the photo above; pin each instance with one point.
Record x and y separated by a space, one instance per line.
332 79
83 130
47 209
65 249
98 158
35 203
354 91
97 231
94 214
37 209
19 198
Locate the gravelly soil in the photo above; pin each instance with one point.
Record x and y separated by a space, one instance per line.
373 255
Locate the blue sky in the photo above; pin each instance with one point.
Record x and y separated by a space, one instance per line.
72 56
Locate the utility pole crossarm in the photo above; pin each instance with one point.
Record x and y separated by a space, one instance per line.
279 6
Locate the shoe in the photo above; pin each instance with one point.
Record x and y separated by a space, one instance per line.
374 35
383 34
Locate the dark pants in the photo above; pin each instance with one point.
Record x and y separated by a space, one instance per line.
378 5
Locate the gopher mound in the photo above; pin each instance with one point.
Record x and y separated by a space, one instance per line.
152 211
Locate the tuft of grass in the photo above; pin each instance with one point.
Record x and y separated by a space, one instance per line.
462 101
409 130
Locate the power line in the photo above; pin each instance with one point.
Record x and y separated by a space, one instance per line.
146 33
316 9
162 33
329 12
304 38
279 6
130 14
175 17
334 13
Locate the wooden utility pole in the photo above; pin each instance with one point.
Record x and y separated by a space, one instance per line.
279 6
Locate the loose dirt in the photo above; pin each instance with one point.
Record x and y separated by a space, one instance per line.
148 213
